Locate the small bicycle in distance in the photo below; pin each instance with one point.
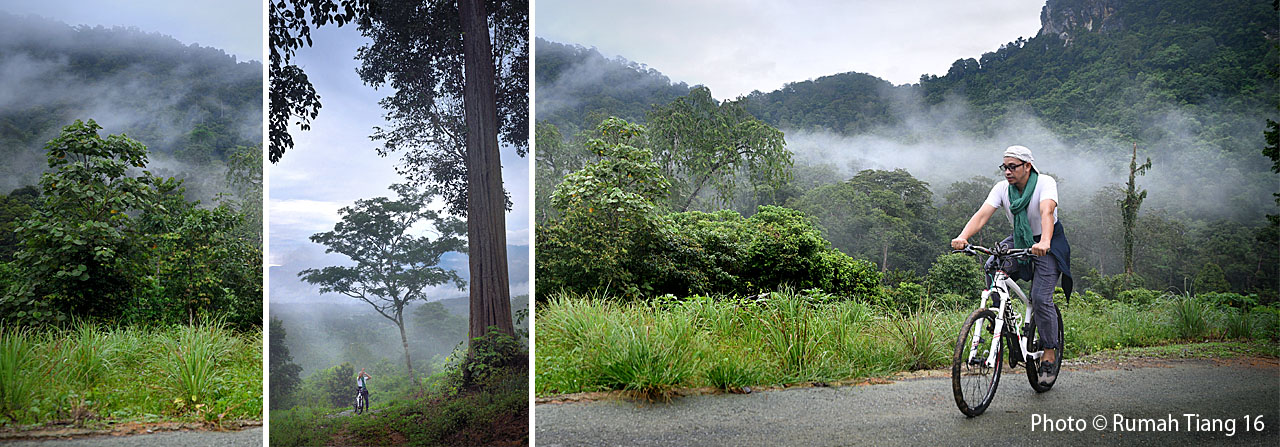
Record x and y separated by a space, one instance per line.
361 403
975 366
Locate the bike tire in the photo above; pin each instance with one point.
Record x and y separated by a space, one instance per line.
975 386
1033 366
360 405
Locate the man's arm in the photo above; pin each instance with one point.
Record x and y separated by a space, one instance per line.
1046 227
975 224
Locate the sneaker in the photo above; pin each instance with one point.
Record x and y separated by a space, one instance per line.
1048 373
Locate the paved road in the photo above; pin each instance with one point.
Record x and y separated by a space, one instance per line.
251 437
923 412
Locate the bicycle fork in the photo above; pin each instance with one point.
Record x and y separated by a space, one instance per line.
996 333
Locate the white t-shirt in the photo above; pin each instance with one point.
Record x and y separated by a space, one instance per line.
1046 189
360 381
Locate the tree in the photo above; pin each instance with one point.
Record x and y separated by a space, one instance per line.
284 373
882 215
703 144
392 266
1211 279
14 209
82 252
1129 206
607 212
445 117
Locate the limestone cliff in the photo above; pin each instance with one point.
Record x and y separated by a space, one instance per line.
1068 18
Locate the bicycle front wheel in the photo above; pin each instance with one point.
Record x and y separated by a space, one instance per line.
972 380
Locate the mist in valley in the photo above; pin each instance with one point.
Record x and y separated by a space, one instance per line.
190 105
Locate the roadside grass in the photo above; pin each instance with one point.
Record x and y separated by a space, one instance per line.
89 374
590 343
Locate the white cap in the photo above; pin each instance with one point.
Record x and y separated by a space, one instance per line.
1021 153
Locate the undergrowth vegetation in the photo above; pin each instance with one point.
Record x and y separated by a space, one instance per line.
88 373
481 399
592 343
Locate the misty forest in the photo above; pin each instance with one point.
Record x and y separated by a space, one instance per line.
131 231
801 235
443 370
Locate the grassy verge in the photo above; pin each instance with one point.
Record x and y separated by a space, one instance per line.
89 374
592 344
439 413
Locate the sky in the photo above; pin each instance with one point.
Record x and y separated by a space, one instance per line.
234 26
736 46
334 164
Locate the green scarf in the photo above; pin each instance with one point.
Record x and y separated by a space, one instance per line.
1018 203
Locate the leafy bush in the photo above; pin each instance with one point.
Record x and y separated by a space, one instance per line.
332 387
1211 279
907 295
1228 299
489 355
955 273
1110 286
1139 296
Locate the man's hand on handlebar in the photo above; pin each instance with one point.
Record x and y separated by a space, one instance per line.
1040 248
959 243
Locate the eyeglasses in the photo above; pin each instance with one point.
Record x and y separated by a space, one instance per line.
1009 167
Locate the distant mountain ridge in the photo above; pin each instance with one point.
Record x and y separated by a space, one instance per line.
1096 69
192 103
577 86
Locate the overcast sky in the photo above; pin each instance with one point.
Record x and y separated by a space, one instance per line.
334 164
736 46
234 26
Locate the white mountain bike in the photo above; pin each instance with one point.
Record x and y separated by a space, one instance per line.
975 367
362 402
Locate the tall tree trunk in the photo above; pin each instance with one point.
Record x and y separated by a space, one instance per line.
486 203
404 341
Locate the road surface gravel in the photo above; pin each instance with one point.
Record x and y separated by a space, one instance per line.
1131 403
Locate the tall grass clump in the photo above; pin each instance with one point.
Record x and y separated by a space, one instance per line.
1239 323
1190 317
18 374
922 337
194 363
793 337
85 355
651 358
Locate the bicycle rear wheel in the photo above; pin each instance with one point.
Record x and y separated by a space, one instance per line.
974 383
1033 343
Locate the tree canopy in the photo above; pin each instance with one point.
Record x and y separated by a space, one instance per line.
393 267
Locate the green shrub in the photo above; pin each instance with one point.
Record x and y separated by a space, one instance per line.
1211 279
907 295
1139 296
957 274
489 355
333 387
1228 299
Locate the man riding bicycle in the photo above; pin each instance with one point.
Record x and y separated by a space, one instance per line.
364 392
1030 201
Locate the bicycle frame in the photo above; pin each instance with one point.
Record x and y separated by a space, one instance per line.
1001 285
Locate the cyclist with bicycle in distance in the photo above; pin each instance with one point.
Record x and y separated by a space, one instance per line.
1030 200
360 379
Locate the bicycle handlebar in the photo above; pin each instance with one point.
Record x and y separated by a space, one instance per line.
997 252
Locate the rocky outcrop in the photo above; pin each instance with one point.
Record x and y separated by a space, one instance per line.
1069 18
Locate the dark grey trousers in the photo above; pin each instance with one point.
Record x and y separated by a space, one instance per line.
1044 277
